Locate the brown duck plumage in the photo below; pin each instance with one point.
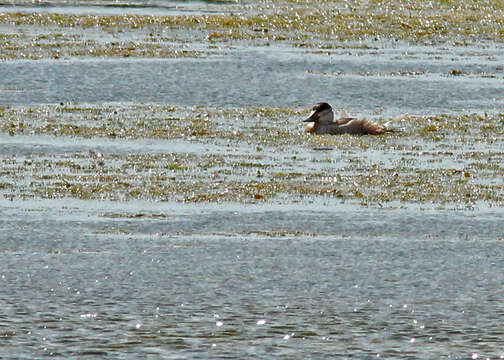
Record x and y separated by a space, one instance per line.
323 122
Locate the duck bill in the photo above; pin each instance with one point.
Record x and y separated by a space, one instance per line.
313 117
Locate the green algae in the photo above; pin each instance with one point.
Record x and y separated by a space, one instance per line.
4 186
279 233
165 122
322 25
434 161
441 160
33 48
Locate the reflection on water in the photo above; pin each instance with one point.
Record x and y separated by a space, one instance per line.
271 77
197 282
122 280
131 7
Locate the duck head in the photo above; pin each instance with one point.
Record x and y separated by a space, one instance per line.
322 113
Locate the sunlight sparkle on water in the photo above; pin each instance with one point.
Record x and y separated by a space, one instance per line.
88 316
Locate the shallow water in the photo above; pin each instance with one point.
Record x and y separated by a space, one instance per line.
299 277
278 77
134 7
83 279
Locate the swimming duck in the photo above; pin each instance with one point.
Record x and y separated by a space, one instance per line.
322 117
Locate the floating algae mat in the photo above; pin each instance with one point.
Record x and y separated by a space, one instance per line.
158 192
245 155
236 146
308 24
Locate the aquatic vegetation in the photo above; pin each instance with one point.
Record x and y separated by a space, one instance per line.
279 161
322 25
256 154
4 186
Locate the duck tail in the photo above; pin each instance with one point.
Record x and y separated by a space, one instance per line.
373 128
396 119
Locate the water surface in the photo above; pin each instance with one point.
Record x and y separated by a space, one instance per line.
114 8
81 280
296 277
274 77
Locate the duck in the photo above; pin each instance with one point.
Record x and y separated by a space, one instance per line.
323 122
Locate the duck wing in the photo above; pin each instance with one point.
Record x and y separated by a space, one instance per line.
357 127
343 120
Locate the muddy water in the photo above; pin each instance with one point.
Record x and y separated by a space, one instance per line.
316 277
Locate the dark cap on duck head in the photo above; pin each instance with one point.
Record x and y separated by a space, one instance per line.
316 110
321 106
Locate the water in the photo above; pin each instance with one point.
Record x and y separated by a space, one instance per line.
114 8
205 281
264 77
308 279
